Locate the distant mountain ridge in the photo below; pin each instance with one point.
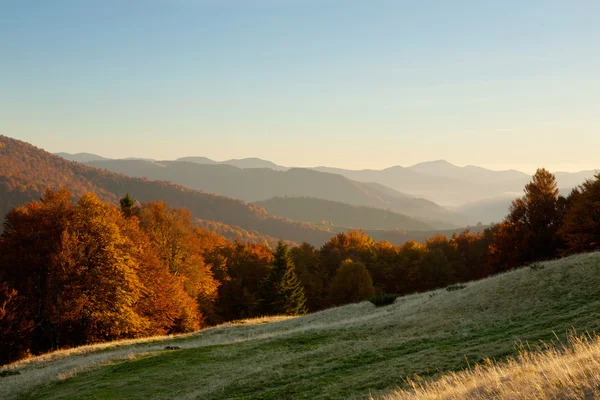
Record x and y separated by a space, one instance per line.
308 209
257 184
250 162
81 157
467 190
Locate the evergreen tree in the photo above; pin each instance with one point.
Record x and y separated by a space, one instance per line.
128 205
282 292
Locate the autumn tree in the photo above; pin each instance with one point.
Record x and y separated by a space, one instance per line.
162 295
382 268
435 270
15 326
177 245
406 273
581 227
282 292
529 232
471 255
313 279
356 245
74 270
32 236
247 266
98 256
352 283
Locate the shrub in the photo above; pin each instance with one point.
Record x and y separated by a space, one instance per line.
458 286
536 266
383 299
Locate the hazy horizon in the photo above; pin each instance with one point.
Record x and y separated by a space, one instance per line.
347 84
528 168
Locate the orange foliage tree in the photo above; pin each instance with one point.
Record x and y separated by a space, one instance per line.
352 283
581 228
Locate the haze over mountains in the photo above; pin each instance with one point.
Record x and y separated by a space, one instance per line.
26 171
257 184
471 194
339 214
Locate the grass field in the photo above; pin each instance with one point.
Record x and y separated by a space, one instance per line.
353 351
558 371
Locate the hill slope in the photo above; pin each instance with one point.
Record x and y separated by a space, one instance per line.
309 209
256 184
25 171
345 352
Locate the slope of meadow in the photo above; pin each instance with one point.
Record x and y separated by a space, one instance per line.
353 351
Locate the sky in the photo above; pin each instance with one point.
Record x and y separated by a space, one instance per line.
342 83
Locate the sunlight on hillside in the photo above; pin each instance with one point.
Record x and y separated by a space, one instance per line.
565 372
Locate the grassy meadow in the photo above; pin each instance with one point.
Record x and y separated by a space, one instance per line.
356 351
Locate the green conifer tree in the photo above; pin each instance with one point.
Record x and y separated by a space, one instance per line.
128 205
282 292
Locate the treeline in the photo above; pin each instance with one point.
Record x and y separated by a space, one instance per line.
76 272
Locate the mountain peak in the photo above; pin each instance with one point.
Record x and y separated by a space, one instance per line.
434 163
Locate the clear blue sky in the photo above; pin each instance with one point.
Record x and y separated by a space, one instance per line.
356 84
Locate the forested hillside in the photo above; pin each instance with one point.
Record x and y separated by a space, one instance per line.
25 171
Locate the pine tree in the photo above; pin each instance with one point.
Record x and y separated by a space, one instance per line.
128 205
282 292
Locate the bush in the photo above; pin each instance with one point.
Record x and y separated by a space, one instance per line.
536 266
383 299
458 286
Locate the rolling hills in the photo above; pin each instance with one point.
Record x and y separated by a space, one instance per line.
439 181
309 209
257 184
353 351
446 189
26 171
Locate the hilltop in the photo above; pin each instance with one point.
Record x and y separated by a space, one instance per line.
347 352
26 171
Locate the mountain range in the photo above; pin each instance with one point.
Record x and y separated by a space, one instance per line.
258 184
439 181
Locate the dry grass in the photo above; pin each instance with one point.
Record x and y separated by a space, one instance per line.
564 372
